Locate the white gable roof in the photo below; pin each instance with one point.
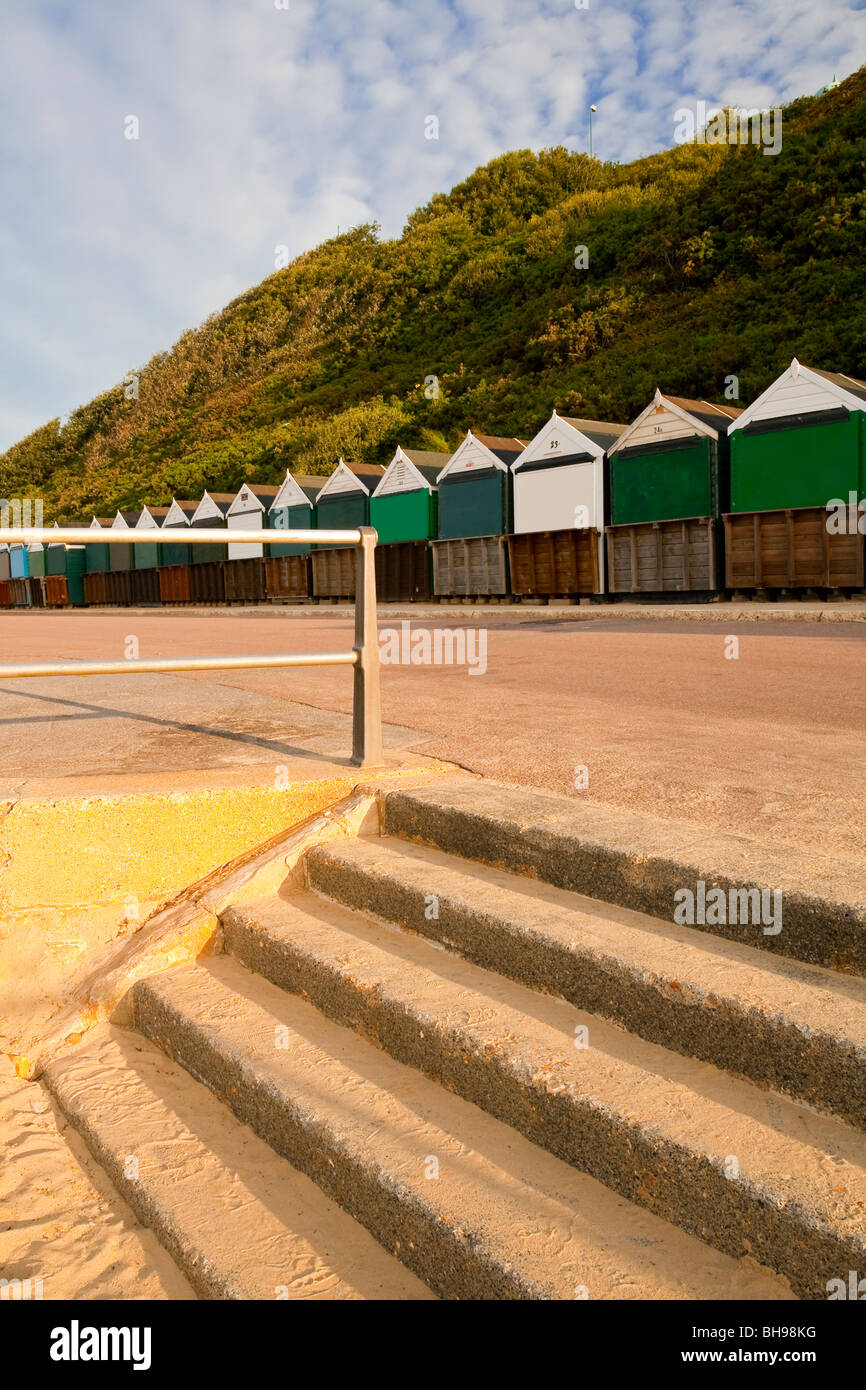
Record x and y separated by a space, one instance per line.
401 475
207 510
798 391
147 522
472 454
176 515
246 501
662 420
96 525
120 523
291 494
341 480
557 439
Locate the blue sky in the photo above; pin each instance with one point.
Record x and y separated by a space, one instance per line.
262 126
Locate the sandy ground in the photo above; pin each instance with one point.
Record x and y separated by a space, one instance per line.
61 1220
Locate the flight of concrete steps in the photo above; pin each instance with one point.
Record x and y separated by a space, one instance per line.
424 1074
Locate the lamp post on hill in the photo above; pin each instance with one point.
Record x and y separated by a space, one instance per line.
591 109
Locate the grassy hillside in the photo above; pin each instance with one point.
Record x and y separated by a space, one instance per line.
703 261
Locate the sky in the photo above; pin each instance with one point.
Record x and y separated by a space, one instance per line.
270 124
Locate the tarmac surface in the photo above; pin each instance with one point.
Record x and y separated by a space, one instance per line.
656 711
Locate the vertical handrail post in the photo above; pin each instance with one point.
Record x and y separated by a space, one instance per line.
367 750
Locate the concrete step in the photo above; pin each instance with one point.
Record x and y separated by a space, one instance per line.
239 1221
472 1207
744 1169
638 861
797 1028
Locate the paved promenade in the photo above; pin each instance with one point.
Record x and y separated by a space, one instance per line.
651 711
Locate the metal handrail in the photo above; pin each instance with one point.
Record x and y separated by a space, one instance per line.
207 535
367 748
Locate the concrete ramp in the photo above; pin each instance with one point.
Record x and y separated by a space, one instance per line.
87 861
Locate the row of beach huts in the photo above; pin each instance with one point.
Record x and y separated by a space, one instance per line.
691 499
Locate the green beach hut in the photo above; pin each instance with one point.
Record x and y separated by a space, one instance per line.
149 557
178 518
800 444
405 504
210 514
475 487
97 559
294 509
668 484
343 501
69 561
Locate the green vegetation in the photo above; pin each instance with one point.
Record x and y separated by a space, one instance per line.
703 261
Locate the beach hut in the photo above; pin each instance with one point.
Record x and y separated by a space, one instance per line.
149 557
288 568
294 509
470 557
121 561
122 557
174 572
559 508
97 558
559 477
65 567
798 455
248 511
343 500
144 576
245 568
36 560
404 511
801 443
207 562
19 562
405 503
19 573
210 514
668 485
342 504
475 487
178 518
